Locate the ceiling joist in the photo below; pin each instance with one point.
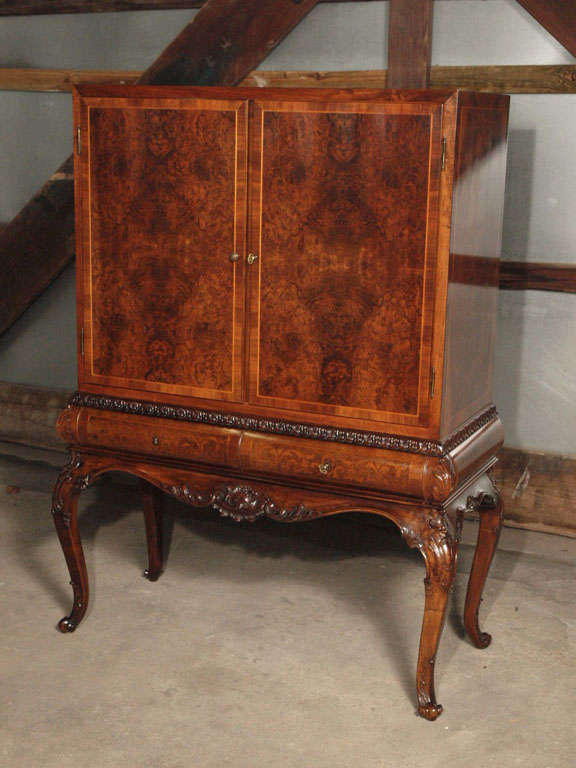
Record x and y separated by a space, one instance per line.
554 78
45 7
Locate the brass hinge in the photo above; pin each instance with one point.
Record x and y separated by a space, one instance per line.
443 155
82 342
79 140
432 381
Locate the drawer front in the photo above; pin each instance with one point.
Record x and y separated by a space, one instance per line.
382 470
160 437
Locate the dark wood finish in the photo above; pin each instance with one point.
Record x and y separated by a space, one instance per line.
343 307
489 507
164 305
342 325
542 78
556 16
538 489
65 514
530 276
474 259
425 422
221 45
432 474
152 505
409 43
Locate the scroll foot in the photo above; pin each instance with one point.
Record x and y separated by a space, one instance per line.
430 711
66 625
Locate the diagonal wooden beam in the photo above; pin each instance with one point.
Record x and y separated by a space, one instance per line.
556 16
409 43
223 43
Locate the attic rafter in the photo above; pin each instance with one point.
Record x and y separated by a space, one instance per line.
225 41
556 16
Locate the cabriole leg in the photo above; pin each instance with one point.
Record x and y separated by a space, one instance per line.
439 549
489 507
152 504
65 513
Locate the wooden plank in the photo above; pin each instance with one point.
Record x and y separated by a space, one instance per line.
526 275
221 45
34 7
554 78
409 43
556 16
60 80
28 415
538 489
526 78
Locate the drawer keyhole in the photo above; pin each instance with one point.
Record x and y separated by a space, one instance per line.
325 467
155 440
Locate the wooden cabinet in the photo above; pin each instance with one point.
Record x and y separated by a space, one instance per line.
286 307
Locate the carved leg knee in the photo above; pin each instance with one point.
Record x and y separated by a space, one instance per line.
152 505
65 513
490 508
439 545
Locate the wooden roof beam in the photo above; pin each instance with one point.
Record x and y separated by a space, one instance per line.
225 41
48 7
409 43
557 17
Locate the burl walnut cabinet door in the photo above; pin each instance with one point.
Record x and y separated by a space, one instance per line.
163 215
343 224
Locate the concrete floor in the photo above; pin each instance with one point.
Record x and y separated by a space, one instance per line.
269 645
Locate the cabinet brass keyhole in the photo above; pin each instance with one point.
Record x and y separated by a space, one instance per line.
155 440
252 258
325 467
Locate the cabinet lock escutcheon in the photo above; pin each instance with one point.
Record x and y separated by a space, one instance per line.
252 258
155 440
325 467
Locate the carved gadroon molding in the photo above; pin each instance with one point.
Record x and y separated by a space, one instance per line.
72 478
280 427
466 432
241 503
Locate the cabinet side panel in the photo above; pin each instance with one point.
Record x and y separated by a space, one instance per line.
163 292
474 261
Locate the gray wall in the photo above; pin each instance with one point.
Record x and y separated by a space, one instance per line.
536 356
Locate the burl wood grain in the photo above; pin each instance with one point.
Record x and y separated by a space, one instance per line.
475 252
341 259
162 225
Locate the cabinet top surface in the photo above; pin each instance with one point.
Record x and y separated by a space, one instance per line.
431 96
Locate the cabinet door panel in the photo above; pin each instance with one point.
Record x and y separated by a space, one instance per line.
164 195
344 219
